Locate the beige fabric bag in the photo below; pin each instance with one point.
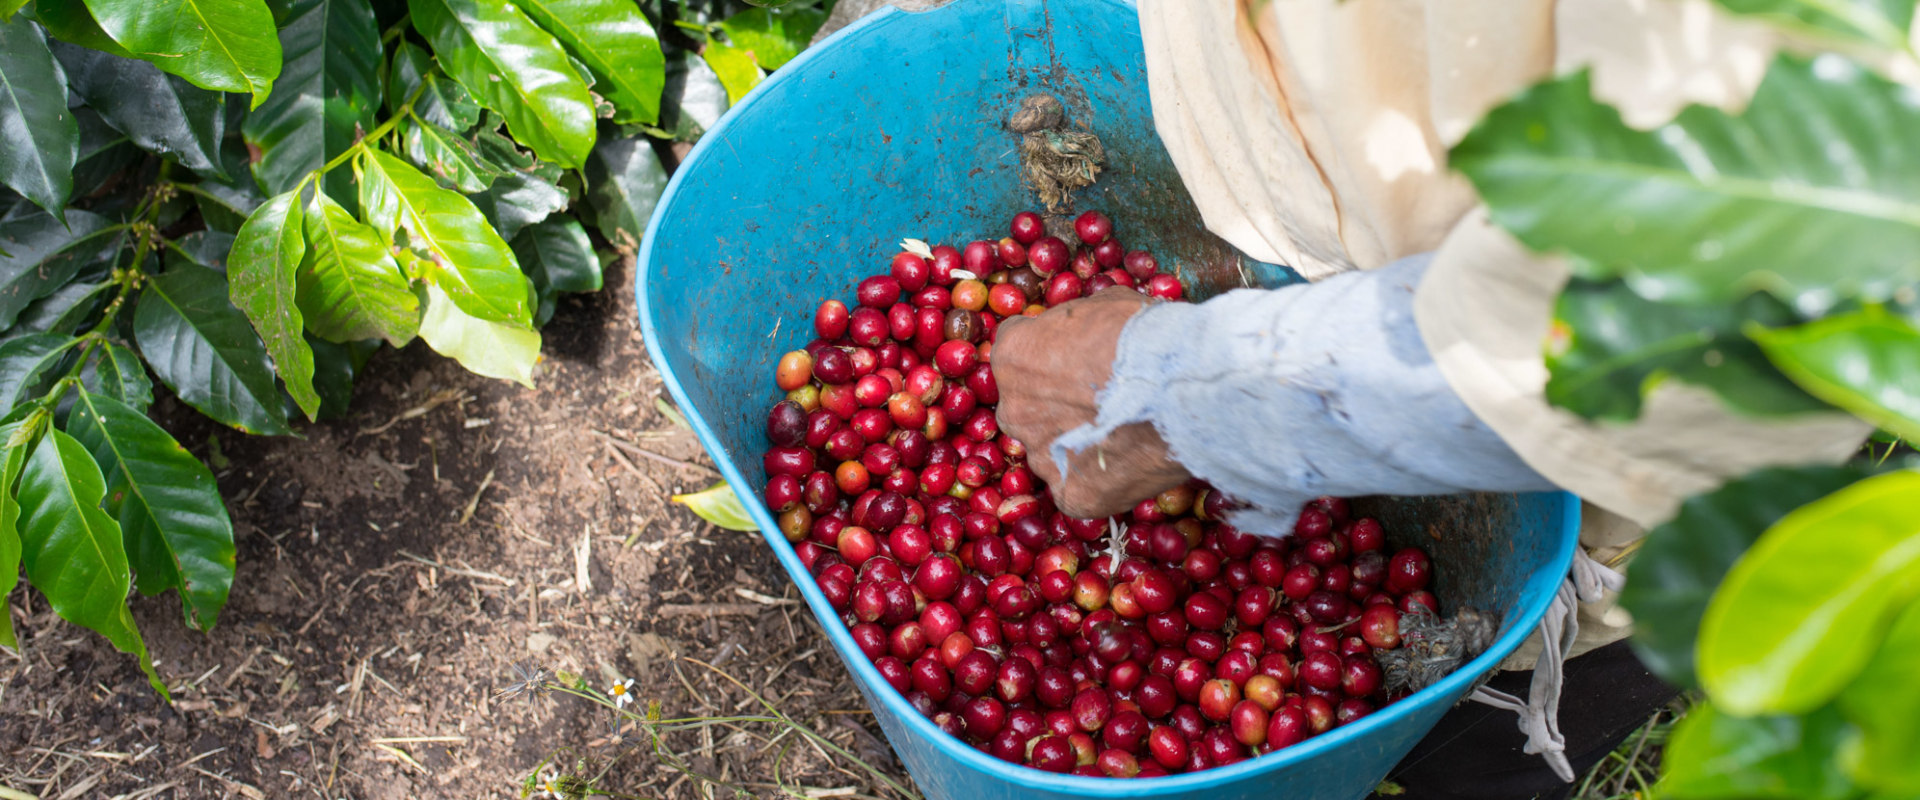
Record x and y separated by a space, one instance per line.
1320 142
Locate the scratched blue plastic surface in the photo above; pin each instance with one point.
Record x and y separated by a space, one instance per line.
893 128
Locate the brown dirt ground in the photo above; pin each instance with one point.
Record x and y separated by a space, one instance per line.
395 564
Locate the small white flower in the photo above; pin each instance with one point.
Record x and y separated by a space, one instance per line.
621 692
549 786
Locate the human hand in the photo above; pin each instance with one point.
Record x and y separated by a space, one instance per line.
1050 369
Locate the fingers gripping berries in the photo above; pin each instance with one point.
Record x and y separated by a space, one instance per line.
1184 644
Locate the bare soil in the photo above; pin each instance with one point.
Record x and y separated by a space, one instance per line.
395 565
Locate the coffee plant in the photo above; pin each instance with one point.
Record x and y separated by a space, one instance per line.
246 198
1767 256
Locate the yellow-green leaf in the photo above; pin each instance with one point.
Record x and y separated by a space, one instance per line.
1797 618
484 348
719 505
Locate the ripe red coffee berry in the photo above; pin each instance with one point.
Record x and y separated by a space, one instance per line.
1408 571
1027 227
1168 747
909 271
1092 227
1048 256
955 358
1165 287
1380 626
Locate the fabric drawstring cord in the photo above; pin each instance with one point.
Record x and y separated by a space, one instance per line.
1539 714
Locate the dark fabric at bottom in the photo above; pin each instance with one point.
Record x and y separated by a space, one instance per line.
1474 753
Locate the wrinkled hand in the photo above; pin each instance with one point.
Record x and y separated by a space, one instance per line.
1049 369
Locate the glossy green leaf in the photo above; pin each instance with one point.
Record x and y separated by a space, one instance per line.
443 102
335 365
64 311
1683 561
1619 346
28 362
13 458
71 22
465 256
205 350
72 550
207 249
616 42
350 287
719 505
262 282
159 112
325 97
485 348
451 160
735 68
43 255
773 36
1800 614
1800 195
1716 756
693 99
43 139
1867 362
175 527
559 257
627 180
1884 702
104 157
514 68
223 45
518 199
1880 22
114 371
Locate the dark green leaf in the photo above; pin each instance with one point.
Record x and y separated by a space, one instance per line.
693 99
616 43
350 286
1799 615
13 457
223 45
465 257
72 550
175 527
735 68
1619 346
116 372
64 311
443 103
1879 22
1801 195
105 155
1715 756
450 159
1884 701
334 368
46 255
208 249
26 363
43 140
774 37
1683 561
627 181
70 21
559 257
484 348
261 275
204 349
324 98
518 199
514 68
1866 362
159 112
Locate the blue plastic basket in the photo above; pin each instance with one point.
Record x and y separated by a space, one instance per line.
893 128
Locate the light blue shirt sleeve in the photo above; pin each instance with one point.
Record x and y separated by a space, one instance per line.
1279 396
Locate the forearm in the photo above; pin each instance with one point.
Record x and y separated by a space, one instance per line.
1279 396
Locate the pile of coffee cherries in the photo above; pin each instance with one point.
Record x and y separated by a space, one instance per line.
1161 641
